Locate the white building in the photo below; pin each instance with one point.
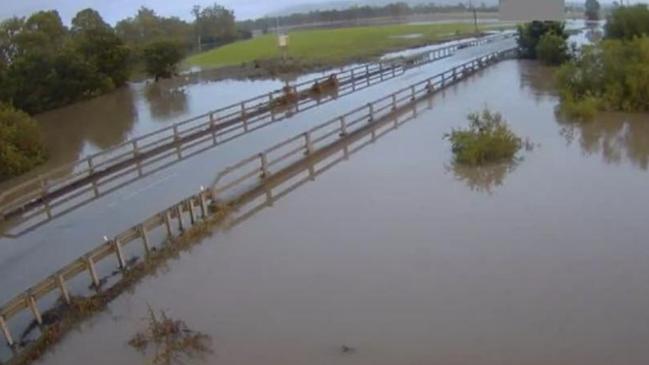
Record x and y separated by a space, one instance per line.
528 10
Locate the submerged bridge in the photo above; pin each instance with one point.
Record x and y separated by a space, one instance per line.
307 153
72 185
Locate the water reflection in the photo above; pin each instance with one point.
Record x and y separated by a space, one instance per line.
617 137
108 121
483 179
166 103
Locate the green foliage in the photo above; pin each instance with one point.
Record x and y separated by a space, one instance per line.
21 144
592 10
161 58
45 65
147 27
583 109
530 34
614 72
214 24
552 49
628 22
488 139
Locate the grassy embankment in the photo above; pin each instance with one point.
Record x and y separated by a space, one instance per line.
330 47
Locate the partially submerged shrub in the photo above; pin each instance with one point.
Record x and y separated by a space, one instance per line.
530 34
612 75
488 139
583 109
552 49
21 142
172 339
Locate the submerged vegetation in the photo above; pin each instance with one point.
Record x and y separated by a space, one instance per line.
21 143
612 75
488 139
171 340
545 41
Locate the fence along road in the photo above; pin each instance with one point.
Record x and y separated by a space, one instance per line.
38 199
238 183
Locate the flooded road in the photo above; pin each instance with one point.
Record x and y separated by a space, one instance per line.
63 240
409 260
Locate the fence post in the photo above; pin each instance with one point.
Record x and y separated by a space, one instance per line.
179 212
6 332
394 102
343 126
412 93
46 202
119 254
203 204
381 70
243 116
32 306
367 74
264 165
177 140
192 214
93 272
371 111
136 153
353 80
64 290
145 238
307 143
213 128
167 220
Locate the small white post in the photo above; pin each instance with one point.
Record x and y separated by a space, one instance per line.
307 143
264 165
34 308
343 126
145 238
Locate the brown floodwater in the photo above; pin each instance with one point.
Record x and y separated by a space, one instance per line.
410 260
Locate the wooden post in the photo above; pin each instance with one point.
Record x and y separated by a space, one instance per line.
192 214
145 238
264 165
119 254
367 74
167 220
371 112
244 118
307 143
213 128
353 80
64 290
412 93
394 102
203 205
177 141
381 70
31 302
136 153
343 126
93 272
179 211
6 332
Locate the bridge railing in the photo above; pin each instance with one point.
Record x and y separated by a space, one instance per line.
232 183
34 195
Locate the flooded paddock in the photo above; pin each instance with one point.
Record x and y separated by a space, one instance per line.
406 259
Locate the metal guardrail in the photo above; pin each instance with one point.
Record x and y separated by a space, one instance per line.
231 184
38 197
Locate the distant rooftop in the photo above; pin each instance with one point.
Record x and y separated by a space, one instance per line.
528 10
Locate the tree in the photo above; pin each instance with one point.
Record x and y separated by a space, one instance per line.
530 34
215 24
161 58
552 49
21 143
628 22
96 41
592 10
147 27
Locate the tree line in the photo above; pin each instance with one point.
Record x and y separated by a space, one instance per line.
394 10
45 64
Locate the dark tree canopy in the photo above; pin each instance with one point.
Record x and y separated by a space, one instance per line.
592 9
161 58
530 34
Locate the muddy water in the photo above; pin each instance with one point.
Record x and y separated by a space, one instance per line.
409 260
22 260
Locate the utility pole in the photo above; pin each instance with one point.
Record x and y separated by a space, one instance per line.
475 16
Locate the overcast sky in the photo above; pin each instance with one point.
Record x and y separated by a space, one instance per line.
114 10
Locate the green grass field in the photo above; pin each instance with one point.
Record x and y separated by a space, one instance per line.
330 46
